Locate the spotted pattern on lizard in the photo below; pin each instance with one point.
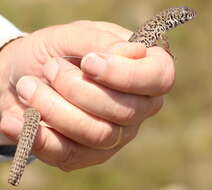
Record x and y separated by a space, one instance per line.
31 122
155 28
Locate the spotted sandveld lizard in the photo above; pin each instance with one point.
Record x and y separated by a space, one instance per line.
154 30
149 34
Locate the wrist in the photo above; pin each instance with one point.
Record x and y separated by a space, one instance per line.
8 34
6 56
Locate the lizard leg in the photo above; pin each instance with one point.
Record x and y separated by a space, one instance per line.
165 45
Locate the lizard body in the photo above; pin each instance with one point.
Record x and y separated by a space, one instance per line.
155 28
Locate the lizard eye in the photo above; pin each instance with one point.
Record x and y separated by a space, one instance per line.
190 16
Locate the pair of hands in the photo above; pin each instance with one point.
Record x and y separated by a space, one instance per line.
117 84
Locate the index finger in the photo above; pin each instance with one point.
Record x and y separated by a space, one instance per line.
152 75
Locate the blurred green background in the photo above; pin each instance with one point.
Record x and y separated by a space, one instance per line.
173 151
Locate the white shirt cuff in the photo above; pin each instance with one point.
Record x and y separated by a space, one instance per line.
8 31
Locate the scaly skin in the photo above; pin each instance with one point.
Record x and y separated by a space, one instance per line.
155 29
32 119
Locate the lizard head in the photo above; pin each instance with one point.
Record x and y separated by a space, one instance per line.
186 14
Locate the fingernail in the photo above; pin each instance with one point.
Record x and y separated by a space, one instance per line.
51 69
93 64
26 87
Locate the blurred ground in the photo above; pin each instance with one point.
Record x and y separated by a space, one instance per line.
174 149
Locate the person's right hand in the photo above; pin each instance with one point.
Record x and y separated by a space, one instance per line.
120 84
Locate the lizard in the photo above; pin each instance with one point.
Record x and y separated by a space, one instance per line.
154 30
149 34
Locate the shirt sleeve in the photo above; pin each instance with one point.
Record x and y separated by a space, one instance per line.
8 31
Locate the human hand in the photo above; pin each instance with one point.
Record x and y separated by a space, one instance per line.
84 109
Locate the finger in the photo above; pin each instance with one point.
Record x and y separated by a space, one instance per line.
115 29
57 150
66 118
9 104
10 118
66 154
152 75
120 108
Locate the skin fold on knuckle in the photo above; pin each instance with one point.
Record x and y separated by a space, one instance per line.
100 133
67 157
103 136
126 113
132 110
96 132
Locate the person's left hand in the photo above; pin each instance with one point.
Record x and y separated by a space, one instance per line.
119 85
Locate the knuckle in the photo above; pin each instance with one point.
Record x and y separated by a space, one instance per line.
67 157
104 136
131 112
125 112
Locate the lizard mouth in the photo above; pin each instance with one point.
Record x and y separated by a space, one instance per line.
191 13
